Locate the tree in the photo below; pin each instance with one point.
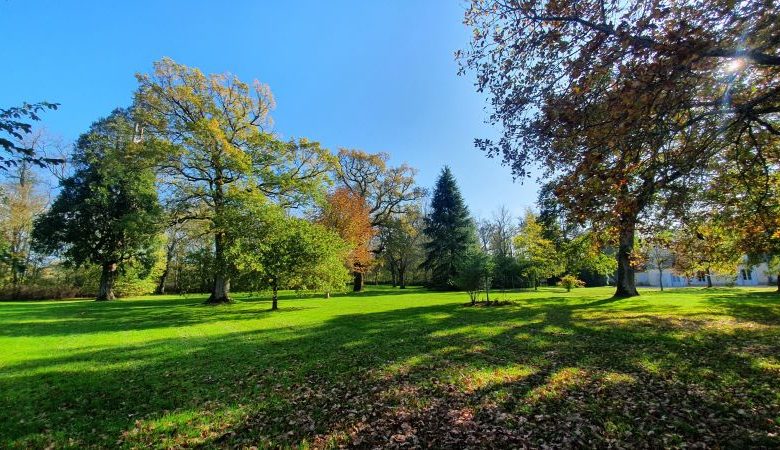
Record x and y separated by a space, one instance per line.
656 251
704 246
484 233
22 202
386 190
14 126
582 250
495 235
621 102
107 212
348 215
503 231
536 254
475 273
584 253
213 128
173 237
450 231
741 200
284 252
401 240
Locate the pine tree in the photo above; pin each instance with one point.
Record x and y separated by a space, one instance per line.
450 231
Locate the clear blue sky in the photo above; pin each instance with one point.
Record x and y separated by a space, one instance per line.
375 75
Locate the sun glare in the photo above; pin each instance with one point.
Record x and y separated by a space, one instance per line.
735 65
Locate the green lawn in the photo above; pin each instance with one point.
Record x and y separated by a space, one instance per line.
389 367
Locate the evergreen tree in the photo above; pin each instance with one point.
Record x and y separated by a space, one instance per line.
450 230
107 212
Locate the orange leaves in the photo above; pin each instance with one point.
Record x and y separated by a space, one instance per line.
347 214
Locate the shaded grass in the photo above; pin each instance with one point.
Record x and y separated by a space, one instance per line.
389 367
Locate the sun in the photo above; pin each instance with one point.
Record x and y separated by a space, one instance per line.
735 65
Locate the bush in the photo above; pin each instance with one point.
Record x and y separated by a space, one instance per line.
570 282
40 292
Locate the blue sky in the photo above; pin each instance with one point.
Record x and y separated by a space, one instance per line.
375 75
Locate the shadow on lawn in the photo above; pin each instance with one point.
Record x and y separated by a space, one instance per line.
77 318
761 307
88 316
442 375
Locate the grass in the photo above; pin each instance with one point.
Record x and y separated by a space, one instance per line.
387 367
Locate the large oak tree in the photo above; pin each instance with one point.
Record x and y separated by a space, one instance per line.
216 128
620 102
387 190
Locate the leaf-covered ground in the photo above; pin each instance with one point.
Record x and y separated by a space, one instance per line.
388 368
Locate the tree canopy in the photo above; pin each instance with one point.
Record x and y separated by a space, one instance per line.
213 130
278 251
622 103
106 212
347 213
450 231
14 126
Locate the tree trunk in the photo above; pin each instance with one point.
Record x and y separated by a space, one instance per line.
709 278
778 282
625 280
275 299
161 285
107 277
164 277
220 292
357 285
393 275
327 295
487 290
14 279
661 278
402 277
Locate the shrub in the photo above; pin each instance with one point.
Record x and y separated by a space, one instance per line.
40 292
570 281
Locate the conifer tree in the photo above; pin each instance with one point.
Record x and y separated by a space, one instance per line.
450 230
107 213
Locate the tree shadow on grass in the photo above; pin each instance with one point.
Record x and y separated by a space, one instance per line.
541 373
78 318
761 307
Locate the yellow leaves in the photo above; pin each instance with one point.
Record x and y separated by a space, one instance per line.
558 384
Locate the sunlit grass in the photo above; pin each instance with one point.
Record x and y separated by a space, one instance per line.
693 365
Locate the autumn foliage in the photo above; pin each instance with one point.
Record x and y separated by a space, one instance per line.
348 214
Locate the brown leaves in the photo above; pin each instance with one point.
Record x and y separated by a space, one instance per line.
348 214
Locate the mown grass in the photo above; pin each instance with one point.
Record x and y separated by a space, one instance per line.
691 367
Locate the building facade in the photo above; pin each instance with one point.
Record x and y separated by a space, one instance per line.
746 275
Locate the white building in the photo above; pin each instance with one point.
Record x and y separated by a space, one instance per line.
757 275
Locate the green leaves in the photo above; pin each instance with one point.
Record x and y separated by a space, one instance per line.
13 122
275 250
107 211
217 126
537 256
